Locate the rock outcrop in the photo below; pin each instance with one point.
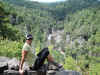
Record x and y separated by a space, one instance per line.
65 72
3 64
10 67
10 64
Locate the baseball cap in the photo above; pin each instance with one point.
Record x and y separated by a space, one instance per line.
29 36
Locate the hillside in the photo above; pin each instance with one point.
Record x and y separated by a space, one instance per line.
74 22
58 10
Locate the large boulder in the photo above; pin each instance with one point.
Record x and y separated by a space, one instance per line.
4 59
3 64
11 72
32 73
67 72
63 72
13 64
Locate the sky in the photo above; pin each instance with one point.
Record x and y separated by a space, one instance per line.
48 1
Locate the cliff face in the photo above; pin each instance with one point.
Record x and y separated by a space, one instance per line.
59 38
56 38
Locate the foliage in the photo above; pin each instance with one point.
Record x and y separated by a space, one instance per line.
57 55
70 63
6 30
10 48
79 18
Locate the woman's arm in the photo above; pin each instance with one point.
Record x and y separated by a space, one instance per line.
24 54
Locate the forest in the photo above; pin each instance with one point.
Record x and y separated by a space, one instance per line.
77 20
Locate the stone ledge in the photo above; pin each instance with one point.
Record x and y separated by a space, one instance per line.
11 72
65 72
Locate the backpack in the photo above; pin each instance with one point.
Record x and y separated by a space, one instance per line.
41 56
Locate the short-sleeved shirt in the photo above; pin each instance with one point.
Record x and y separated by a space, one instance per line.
30 58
